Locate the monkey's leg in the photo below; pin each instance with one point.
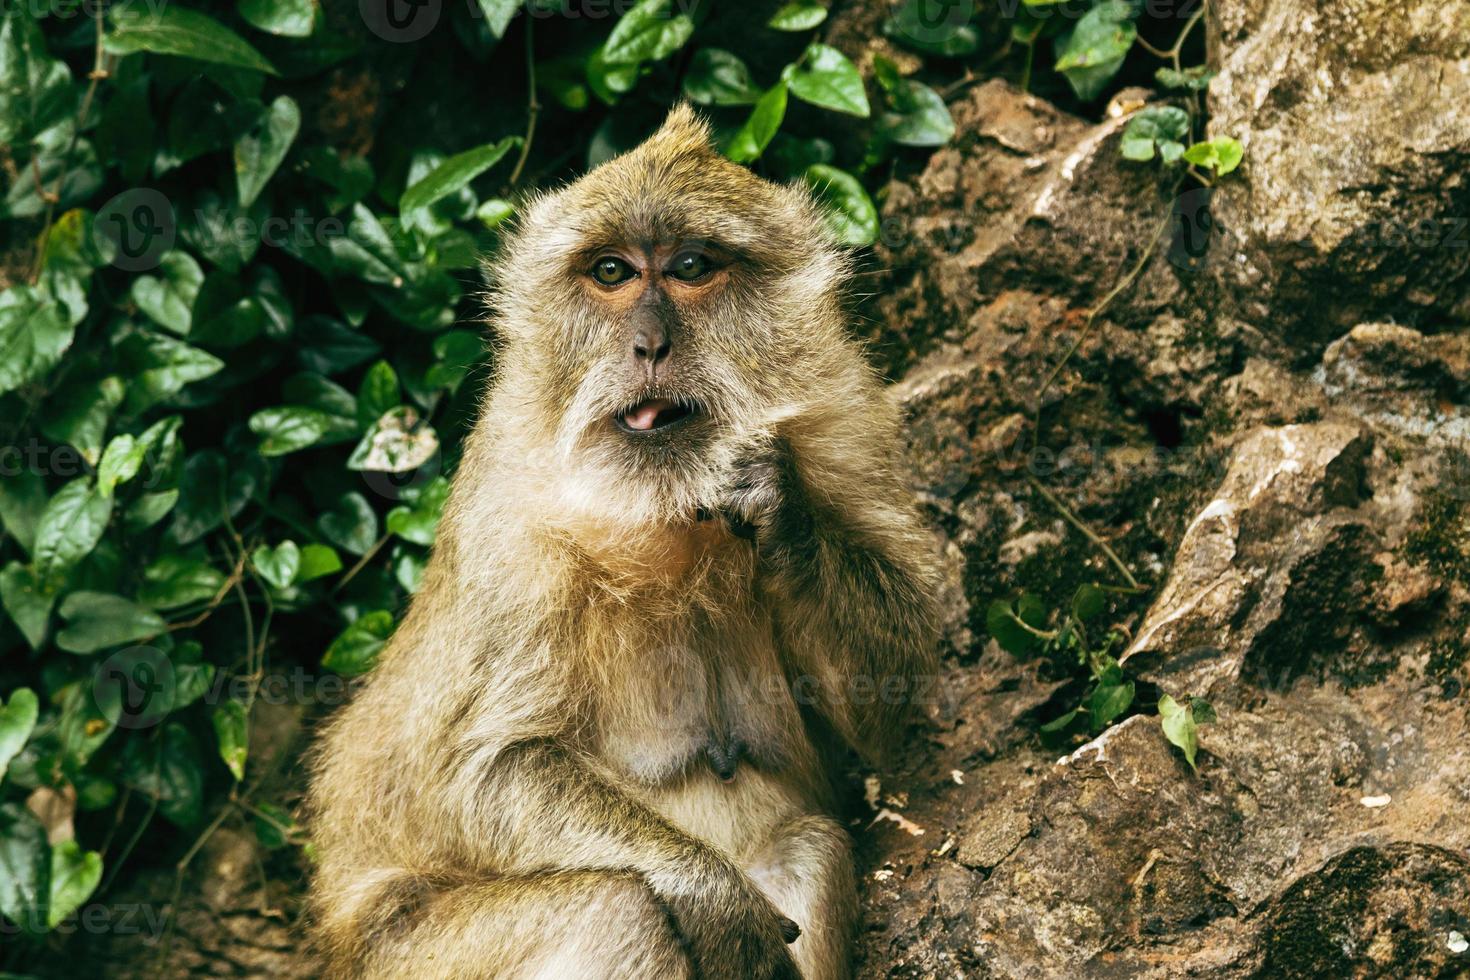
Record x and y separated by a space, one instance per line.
552 926
806 870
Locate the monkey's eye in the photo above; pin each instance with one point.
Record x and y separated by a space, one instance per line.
689 267
609 271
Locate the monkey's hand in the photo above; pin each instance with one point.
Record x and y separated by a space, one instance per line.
731 929
764 501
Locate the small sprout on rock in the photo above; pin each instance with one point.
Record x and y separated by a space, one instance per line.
1181 723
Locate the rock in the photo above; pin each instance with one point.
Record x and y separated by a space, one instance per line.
992 838
1393 907
1353 202
1292 485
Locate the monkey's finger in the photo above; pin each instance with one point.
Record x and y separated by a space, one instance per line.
790 931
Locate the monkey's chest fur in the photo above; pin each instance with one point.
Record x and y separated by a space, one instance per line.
705 724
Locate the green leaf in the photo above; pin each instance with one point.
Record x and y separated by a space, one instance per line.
168 771
1059 726
648 32
149 509
69 173
290 428
98 620
28 602
191 682
1181 726
120 463
260 151
940 27
36 90
494 211
498 14
81 411
176 580
168 298
25 868
1088 602
22 502
717 77
33 336
350 524
1160 128
827 79
420 522
209 488
1221 154
1194 79
69 529
158 366
1092 52
765 119
917 116
75 875
17 721
356 649
454 174
317 560
378 393
274 825
456 353
232 734
279 565
170 29
1006 627
1202 711
286 18
851 216
1108 702
799 16
396 443
408 570
317 391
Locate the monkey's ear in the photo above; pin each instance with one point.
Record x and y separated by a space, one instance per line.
685 130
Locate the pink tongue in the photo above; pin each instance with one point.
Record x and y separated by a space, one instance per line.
643 415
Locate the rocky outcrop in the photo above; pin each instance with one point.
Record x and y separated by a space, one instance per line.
1352 203
1274 440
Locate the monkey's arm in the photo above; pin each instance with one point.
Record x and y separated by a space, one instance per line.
543 800
854 595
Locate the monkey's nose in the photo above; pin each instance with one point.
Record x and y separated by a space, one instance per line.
651 345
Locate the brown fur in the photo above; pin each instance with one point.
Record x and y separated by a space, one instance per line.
524 788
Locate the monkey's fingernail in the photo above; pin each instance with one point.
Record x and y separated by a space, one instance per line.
790 931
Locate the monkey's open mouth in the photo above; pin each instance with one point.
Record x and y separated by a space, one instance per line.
653 414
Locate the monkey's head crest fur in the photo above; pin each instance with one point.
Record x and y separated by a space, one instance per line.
656 318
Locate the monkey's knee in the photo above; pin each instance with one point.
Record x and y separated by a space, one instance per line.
613 926
562 924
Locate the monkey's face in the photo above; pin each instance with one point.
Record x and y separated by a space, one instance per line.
661 313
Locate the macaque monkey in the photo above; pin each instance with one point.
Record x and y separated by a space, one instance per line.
677 575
